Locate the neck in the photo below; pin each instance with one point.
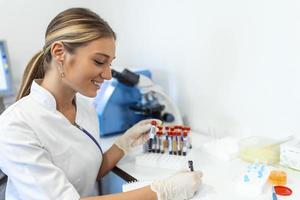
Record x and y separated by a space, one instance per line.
64 95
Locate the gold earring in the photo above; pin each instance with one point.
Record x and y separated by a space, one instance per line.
62 74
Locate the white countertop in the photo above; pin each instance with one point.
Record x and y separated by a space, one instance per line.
219 180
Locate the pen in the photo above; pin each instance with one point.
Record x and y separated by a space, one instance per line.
191 165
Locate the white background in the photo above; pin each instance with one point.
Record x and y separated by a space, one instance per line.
231 66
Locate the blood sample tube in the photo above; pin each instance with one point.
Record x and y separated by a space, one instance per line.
189 137
158 141
165 142
170 142
179 142
184 148
161 142
154 143
152 135
174 142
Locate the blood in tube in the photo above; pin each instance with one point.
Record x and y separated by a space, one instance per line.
152 135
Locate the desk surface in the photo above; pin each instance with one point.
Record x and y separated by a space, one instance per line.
219 176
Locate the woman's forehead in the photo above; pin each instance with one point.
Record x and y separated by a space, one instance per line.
102 46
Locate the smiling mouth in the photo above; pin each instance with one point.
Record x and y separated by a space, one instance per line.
96 83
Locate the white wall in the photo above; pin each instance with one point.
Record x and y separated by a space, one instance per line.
231 66
23 25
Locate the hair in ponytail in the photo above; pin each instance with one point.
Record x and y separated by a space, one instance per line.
33 70
73 27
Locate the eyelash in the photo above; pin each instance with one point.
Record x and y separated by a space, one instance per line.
98 63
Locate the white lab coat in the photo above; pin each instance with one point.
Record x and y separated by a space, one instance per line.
43 154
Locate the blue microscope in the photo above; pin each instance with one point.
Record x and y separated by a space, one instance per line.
130 97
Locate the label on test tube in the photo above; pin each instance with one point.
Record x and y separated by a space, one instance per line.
153 128
174 143
150 144
170 142
165 142
158 141
154 144
184 148
179 142
189 144
161 142
152 135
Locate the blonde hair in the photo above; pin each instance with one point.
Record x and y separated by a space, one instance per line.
73 27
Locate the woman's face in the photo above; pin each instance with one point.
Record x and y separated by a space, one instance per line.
87 68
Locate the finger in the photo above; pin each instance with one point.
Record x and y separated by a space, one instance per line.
198 178
145 138
148 121
182 171
198 182
141 139
144 129
199 173
138 142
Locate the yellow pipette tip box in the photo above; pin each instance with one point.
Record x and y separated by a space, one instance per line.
259 149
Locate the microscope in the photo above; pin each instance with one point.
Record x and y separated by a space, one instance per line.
130 97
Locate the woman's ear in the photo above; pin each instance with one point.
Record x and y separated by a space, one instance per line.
58 52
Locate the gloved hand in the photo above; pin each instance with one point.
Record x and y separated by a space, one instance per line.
180 186
136 135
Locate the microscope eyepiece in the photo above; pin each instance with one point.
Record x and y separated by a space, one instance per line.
127 77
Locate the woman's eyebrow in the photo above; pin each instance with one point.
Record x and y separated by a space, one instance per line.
103 54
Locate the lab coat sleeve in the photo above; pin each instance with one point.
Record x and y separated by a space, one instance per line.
29 166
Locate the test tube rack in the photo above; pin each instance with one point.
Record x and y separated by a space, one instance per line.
174 140
167 147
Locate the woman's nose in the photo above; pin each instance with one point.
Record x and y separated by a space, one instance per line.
106 74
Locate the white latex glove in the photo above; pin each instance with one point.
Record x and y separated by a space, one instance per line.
136 135
180 186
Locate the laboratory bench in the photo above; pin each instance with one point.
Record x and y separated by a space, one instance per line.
219 179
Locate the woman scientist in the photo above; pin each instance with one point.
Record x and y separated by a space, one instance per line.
49 138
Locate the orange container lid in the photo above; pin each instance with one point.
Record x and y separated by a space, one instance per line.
283 190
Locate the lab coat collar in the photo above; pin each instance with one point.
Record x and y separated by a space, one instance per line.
42 95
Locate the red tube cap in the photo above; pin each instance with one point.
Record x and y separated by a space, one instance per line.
283 190
154 123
